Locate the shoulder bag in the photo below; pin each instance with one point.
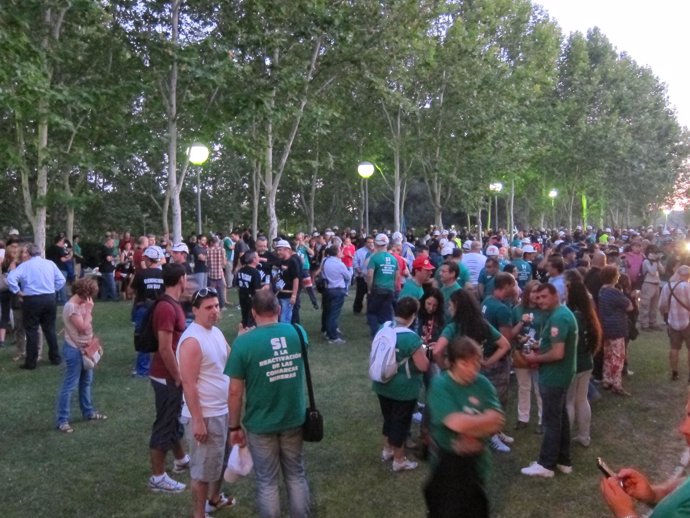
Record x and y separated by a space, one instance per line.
312 429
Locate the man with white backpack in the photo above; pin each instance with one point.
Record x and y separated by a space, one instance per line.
396 364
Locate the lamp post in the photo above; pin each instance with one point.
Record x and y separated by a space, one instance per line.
552 194
198 154
495 188
365 170
666 213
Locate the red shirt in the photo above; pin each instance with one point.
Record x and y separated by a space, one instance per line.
137 259
348 255
167 316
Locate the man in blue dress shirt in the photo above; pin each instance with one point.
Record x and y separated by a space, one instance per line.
37 280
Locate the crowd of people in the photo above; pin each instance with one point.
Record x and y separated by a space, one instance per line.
558 309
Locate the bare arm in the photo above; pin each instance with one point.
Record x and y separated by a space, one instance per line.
165 349
503 348
190 364
480 425
556 353
420 360
235 394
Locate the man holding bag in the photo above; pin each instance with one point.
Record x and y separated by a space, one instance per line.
266 367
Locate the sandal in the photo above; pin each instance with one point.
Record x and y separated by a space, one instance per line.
65 428
97 416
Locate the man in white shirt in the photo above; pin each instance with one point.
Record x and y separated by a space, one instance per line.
201 354
475 261
674 304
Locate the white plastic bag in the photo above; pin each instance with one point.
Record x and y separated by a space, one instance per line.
240 464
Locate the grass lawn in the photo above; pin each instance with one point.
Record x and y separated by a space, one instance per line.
102 468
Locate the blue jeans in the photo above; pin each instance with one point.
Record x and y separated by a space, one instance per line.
336 299
285 310
143 361
272 453
61 294
555 446
75 375
109 288
379 309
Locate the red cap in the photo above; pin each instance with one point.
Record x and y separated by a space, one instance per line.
422 263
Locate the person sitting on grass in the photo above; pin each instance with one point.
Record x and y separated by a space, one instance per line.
398 397
669 499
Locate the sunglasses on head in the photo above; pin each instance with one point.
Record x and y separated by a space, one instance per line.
204 293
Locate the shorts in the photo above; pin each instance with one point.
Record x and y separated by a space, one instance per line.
207 459
167 430
397 416
678 337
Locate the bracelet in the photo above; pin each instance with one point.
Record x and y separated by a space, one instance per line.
239 427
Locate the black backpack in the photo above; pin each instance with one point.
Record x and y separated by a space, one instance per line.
145 337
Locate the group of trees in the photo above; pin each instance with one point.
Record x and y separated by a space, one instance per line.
100 99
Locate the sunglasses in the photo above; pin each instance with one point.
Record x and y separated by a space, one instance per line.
204 293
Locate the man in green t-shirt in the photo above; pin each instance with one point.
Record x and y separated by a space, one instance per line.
414 286
382 278
448 285
556 360
266 368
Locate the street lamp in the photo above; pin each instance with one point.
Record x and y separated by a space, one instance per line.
365 170
552 194
198 154
666 213
495 188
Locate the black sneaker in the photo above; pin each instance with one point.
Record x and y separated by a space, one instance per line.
674 376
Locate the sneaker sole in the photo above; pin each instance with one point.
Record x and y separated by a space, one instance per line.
170 491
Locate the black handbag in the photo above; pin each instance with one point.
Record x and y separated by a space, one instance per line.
312 429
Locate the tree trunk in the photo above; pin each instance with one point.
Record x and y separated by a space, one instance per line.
570 209
256 192
396 185
171 104
512 208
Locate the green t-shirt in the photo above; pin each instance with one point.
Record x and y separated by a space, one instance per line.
447 292
411 289
676 504
304 255
402 388
496 312
269 360
533 329
489 346
559 326
384 265
488 282
446 396
524 272
464 276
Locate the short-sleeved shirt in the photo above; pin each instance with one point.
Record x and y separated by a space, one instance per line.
489 346
290 270
269 360
248 281
488 281
524 271
447 292
675 504
168 315
148 284
496 312
384 265
199 264
411 289
402 388
464 276
533 329
559 326
446 396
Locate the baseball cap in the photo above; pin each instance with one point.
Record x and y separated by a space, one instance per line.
447 249
526 241
180 247
152 253
281 243
528 249
436 233
381 239
491 250
397 236
467 245
13 232
422 263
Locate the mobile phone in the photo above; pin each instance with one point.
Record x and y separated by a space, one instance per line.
604 468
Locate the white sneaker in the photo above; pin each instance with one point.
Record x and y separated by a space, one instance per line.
165 485
404 465
386 454
505 439
497 444
182 465
537 470
564 469
417 417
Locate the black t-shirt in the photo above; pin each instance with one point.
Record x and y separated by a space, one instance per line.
148 284
266 268
199 264
248 281
290 270
106 265
55 253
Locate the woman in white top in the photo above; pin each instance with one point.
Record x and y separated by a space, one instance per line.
77 320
